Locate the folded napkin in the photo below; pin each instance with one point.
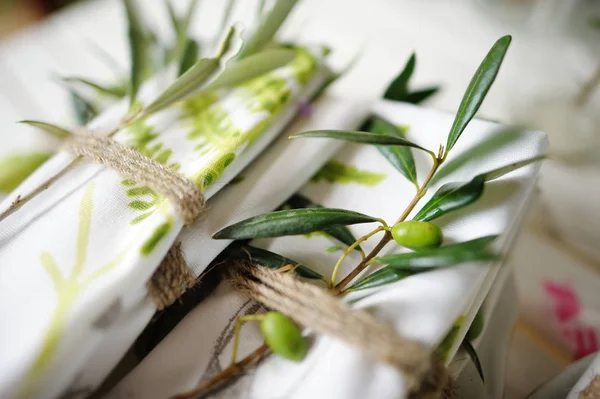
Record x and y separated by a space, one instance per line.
265 184
77 256
422 307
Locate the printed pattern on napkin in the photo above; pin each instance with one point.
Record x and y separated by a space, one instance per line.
130 228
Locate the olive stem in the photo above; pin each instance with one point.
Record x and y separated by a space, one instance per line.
348 250
223 375
437 161
236 335
336 290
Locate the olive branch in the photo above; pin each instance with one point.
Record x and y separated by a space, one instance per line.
419 234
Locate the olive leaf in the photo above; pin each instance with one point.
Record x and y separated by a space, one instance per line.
450 197
399 86
251 67
267 28
496 173
453 196
472 353
404 265
226 16
291 222
400 157
54 130
83 109
399 90
477 89
449 255
341 233
112 91
359 137
138 47
381 277
190 81
15 168
190 56
181 27
418 96
274 261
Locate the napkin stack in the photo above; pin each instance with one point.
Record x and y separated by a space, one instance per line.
76 258
422 307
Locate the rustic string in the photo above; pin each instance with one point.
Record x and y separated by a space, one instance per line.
592 391
183 194
315 308
172 278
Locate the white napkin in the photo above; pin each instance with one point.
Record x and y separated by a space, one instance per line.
267 183
73 260
422 307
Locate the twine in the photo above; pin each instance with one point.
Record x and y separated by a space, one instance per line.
592 391
315 308
172 278
183 194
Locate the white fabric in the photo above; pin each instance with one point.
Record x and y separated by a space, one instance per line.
270 180
422 307
73 258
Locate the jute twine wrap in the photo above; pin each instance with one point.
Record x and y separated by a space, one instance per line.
172 278
315 308
592 391
183 194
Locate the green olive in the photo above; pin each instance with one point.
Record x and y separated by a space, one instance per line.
417 235
476 327
17 167
283 336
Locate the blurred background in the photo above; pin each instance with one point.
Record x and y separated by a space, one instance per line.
550 81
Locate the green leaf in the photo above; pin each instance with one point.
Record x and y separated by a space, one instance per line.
477 89
472 353
274 261
418 96
181 27
381 277
54 130
291 222
226 16
400 157
399 86
358 137
83 109
15 168
449 255
138 48
450 197
268 27
341 233
496 173
251 67
190 56
113 91
453 196
190 81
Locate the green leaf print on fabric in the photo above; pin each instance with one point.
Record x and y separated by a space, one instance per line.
141 137
68 287
213 130
337 172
